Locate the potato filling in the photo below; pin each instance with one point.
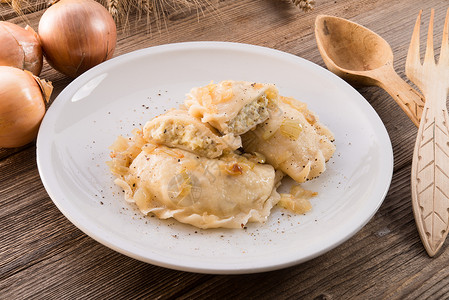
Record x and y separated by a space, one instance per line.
185 136
251 114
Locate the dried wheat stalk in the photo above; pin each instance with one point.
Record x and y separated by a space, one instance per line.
305 5
112 6
16 5
150 9
22 7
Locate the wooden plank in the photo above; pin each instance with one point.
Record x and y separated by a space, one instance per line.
83 264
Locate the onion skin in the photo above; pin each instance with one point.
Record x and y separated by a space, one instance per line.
77 35
22 106
20 48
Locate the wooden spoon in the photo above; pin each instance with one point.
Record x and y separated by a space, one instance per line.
362 57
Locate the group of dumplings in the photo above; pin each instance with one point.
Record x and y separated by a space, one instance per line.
217 161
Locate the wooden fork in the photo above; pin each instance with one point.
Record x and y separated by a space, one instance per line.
430 166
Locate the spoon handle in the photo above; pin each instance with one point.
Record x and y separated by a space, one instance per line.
411 101
430 173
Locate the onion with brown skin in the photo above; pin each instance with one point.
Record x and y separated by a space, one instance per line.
22 106
20 48
77 35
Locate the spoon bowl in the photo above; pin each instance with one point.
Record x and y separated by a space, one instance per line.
351 46
361 57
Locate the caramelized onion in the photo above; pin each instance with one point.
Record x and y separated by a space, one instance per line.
22 106
20 48
77 35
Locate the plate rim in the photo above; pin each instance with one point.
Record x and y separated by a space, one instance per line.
182 266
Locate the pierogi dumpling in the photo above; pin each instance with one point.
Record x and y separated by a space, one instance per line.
177 129
183 164
232 107
207 193
292 140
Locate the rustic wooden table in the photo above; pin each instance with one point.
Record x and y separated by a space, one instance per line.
43 255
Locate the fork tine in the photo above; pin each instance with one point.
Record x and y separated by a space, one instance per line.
430 55
444 52
413 50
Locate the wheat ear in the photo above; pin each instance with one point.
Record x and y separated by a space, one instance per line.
305 5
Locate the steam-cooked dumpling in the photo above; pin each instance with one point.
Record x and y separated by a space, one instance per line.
178 129
293 140
207 193
232 107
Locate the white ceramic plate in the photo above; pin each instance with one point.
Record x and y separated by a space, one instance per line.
123 93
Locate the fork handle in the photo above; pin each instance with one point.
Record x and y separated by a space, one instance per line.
430 174
410 101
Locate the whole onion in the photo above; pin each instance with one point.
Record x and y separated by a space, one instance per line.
77 35
20 48
22 106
